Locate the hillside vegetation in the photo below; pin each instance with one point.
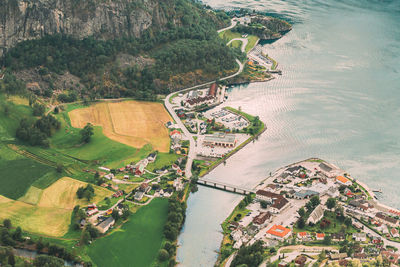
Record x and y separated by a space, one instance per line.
183 51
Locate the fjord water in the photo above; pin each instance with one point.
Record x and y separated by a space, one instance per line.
338 99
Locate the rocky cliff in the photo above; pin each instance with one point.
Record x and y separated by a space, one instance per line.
30 19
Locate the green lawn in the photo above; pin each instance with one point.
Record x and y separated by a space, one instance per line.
137 242
236 43
163 159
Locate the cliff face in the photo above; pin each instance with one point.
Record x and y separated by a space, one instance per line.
30 19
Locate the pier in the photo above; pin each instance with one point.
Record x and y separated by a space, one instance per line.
226 187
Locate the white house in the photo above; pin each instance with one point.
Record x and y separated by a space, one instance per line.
360 237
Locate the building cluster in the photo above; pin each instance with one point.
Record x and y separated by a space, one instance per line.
194 98
279 198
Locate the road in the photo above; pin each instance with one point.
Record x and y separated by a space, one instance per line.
244 41
233 24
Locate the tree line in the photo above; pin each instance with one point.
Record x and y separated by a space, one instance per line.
37 133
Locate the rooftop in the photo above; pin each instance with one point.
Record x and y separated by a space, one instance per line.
342 179
278 230
220 137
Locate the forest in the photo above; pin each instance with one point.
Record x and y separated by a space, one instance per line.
189 46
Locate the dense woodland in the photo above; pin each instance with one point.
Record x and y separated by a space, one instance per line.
190 45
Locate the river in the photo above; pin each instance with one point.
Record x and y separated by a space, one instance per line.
338 99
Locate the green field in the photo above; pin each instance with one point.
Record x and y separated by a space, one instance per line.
229 35
137 242
18 175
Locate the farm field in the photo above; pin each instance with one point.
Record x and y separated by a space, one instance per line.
47 211
133 123
137 242
19 174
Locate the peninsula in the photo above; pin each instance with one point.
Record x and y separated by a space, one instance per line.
307 214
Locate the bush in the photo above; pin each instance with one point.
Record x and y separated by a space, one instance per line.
163 255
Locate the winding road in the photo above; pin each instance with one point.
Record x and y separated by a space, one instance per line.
244 41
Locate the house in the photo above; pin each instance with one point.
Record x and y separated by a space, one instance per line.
213 90
126 177
236 234
233 225
178 185
394 232
279 205
316 215
391 256
360 255
333 192
381 217
105 225
198 101
109 176
338 256
237 244
279 232
91 212
220 140
140 167
302 235
262 218
300 260
343 181
283 263
268 196
320 236
144 187
152 157
139 195
338 236
252 229
175 134
175 167
360 237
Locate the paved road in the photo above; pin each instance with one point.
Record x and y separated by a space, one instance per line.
233 24
188 135
244 41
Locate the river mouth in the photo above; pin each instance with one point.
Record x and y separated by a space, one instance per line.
338 99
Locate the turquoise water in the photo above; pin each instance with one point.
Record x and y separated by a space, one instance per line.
338 99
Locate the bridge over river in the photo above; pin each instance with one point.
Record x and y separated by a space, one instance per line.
226 187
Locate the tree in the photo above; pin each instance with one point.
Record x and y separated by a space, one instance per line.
11 259
86 133
327 239
301 212
263 204
301 223
7 223
115 214
38 109
331 203
348 221
163 255
315 201
59 168
6 110
44 260
17 235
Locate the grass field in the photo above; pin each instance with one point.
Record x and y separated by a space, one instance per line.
19 174
229 35
137 242
133 123
47 211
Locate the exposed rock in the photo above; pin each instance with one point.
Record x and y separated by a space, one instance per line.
30 19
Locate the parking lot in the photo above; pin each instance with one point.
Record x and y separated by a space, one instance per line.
227 118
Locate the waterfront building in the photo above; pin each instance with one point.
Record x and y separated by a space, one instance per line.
343 180
220 139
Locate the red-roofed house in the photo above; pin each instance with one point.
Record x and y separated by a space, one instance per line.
320 236
279 232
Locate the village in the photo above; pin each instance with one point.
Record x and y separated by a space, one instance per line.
312 212
216 132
